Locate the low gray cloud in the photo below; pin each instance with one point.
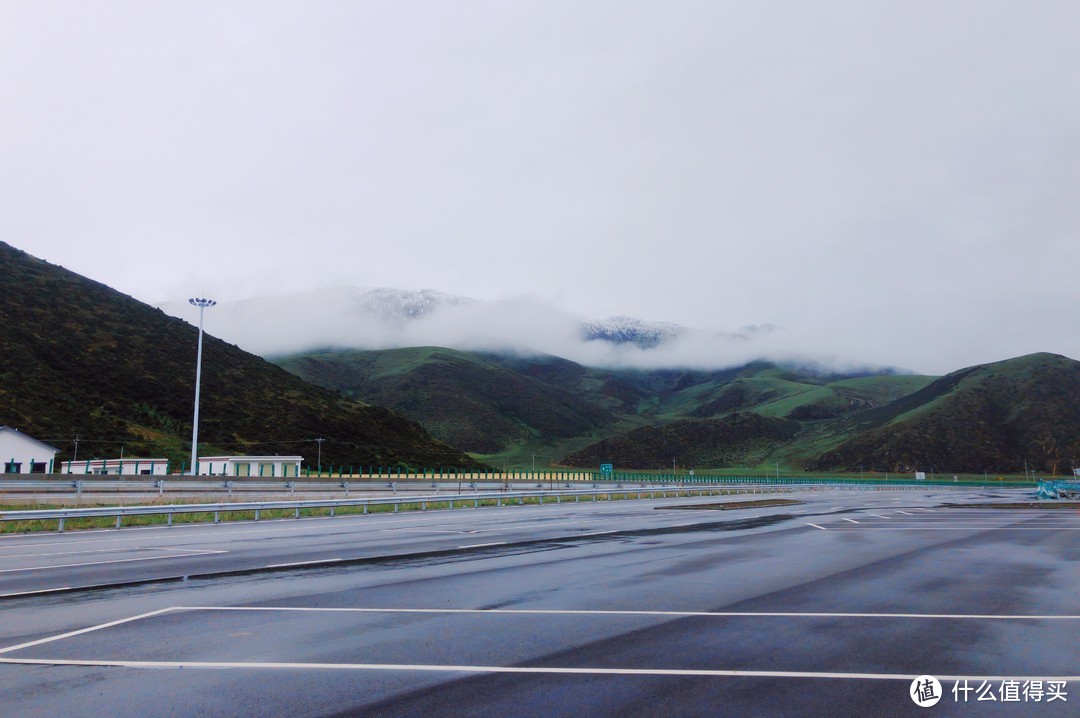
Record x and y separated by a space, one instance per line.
341 318
889 182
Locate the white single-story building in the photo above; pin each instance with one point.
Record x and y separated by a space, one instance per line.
254 467
23 454
118 467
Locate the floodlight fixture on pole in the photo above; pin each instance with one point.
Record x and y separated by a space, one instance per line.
202 304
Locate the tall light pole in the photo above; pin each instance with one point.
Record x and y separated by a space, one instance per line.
202 304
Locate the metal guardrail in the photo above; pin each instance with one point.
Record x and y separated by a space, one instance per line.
257 507
186 485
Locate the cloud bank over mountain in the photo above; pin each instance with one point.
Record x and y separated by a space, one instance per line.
381 318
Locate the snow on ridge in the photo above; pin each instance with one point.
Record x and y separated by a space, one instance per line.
630 330
404 304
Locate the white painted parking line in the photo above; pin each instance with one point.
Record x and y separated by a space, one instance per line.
421 667
631 612
91 629
182 553
964 528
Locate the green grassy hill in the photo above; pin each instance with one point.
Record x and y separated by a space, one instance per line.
81 358
520 409
510 408
992 417
744 439
463 399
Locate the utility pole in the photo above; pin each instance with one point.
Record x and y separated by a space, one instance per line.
75 456
320 440
673 467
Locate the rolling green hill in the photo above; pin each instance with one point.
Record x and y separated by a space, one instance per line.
744 439
461 398
508 407
81 358
992 417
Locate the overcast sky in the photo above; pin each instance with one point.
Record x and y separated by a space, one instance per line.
891 182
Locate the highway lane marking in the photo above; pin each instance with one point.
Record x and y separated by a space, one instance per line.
305 563
905 513
71 553
817 527
184 553
851 521
441 668
480 545
880 516
33 593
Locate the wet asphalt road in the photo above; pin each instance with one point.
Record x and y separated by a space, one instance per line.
826 608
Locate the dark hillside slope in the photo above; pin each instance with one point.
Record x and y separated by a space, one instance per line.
737 440
77 357
461 398
991 417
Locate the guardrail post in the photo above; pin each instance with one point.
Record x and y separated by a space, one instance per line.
78 487
228 486
217 517
168 520
60 528
160 486
118 521
296 513
291 486
256 514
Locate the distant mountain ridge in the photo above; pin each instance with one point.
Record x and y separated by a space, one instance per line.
986 418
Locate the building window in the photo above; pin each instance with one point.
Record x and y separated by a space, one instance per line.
38 467
13 467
